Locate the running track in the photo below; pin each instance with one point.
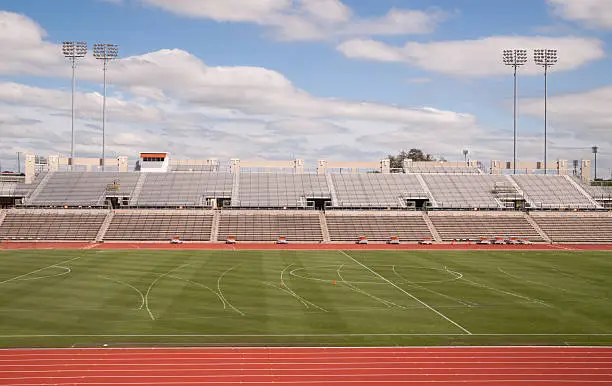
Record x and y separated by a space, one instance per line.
305 366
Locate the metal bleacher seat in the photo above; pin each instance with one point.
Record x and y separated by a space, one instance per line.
82 188
163 225
378 227
183 189
60 225
295 226
271 190
464 191
552 192
470 225
576 227
376 190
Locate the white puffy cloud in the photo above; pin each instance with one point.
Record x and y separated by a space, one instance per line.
305 19
475 58
592 13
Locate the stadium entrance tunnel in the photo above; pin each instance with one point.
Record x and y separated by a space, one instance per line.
318 203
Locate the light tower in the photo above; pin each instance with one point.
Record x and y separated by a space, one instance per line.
105 52
595 149
465 153
73 51
515 59
546 58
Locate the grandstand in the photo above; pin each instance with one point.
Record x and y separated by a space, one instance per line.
197 201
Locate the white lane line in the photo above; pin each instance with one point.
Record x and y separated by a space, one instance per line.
153 284
38 270
409 294
66 272
323 382
142 297
221 291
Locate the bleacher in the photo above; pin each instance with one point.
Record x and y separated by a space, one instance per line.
376 190
464 191
81 188
576 227
474 225
378 227
147 225
552 192
296 226
271 190
51 225
183 189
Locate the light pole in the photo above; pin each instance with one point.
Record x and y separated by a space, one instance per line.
465 153
105 52
595 149
545 58
73 51
515 59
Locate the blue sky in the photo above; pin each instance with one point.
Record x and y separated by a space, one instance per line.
350 79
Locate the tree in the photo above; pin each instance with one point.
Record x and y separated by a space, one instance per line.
397 161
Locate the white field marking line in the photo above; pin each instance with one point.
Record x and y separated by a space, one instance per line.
467 304
288 290
38 270
409 294
503 291
200 285
8 336
142 297
302 299
541 284
221 291
66 272
155 282
359 290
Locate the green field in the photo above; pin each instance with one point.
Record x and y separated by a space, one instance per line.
62 298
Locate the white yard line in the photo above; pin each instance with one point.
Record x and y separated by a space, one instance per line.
153 284
221 291
142 297
359 290
408 293
409 283
38 270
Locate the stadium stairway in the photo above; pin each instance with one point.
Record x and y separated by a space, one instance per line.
432 228
520 191
137 189
584 193
538 229
40 187
324 228
105 226
432 200
332 189
214 232
2 215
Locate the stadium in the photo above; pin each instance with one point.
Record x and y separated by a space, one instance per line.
220 206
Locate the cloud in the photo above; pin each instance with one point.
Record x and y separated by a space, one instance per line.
305 19
475 58
418 80
592 13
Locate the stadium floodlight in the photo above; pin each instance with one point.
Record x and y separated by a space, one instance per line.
465 153
73 51
595 150
515 59
105 52
546 58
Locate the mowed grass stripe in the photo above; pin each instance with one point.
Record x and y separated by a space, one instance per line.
549 294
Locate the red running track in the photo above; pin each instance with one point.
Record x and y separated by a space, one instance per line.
306 366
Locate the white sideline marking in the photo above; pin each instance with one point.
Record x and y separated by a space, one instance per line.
221 292
408 293
153 283
142 297
38 270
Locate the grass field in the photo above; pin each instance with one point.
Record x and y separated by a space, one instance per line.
62 298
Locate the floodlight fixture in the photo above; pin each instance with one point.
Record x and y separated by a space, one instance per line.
546 58
73 51
595 150
515 58
105 52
